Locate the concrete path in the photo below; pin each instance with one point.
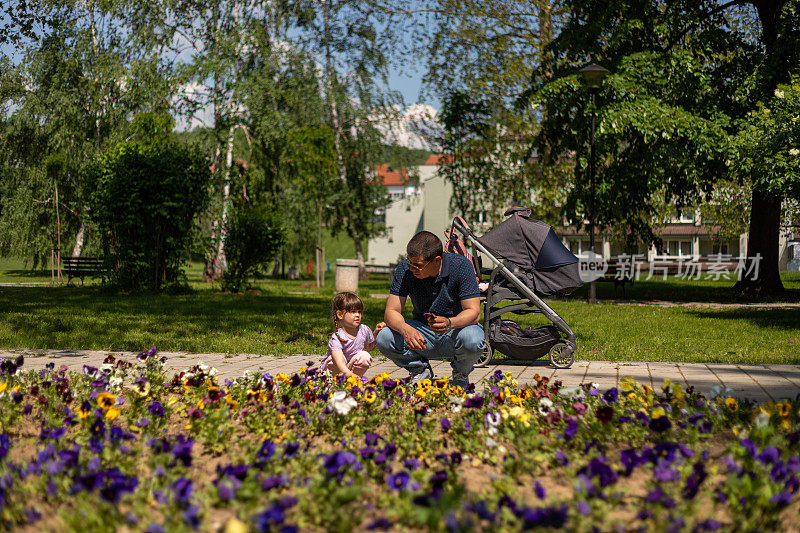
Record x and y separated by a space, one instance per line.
760 383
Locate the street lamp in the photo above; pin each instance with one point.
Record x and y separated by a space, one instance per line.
593 76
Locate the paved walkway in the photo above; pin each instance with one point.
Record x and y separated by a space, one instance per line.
756 382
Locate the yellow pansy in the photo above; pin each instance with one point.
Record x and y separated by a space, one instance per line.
106 400
283 378
732 404
442 382
520 414
784 409
421 393
112 413
230 401
627 384
3 387
657 413
370 396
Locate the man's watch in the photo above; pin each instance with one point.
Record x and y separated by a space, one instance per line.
449 323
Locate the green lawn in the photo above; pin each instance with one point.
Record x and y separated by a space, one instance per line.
291 317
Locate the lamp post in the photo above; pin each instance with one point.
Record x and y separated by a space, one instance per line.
593 76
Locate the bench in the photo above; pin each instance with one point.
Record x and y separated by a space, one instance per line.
613 275
80 267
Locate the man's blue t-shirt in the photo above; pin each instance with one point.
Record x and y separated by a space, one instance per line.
440 295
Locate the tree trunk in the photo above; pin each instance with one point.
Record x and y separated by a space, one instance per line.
765 217
58 232
220 262
319 243
79 239
209 274
363 275
765 211
329 73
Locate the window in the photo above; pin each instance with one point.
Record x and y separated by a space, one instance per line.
678 248
684 216
580 246
720 249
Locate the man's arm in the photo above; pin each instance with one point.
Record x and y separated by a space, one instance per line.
470 311
394 319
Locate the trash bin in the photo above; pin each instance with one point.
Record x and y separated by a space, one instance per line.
346 275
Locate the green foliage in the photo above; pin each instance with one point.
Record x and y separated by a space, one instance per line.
254 236
769 144
492 166
144 202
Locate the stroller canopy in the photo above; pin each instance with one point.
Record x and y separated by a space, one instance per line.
535 248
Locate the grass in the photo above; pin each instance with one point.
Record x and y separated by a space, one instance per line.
291 317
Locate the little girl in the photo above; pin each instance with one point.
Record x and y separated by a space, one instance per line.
347 350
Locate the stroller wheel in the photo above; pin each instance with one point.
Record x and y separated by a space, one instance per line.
486 356
561 355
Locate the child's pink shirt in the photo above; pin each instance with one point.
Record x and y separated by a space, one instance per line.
341 341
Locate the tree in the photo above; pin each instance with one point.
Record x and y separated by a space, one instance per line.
685 75
356 38
75 87
216 35
254 237
145 198
312 159
359 194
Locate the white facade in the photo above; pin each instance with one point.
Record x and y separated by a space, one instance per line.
426 207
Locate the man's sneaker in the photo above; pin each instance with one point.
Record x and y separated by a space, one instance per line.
427 373
459 380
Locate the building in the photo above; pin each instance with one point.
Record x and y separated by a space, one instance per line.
424 204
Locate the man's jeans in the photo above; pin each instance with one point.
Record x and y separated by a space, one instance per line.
463 345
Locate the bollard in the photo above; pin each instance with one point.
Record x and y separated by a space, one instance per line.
346 275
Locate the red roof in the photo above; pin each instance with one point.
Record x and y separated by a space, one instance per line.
389 177
439 159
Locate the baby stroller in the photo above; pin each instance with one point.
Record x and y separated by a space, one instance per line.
530 262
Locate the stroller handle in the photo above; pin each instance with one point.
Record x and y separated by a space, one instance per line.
461 226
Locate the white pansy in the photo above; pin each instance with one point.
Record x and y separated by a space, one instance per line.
794 152
545 406
779 93
762 420
719 390
456 403
341 402
573 393
492 421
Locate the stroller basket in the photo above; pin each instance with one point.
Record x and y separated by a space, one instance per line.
531 344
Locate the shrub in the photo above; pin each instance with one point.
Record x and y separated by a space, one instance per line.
254 235
145 198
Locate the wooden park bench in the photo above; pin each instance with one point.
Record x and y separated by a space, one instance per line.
612 276
80 267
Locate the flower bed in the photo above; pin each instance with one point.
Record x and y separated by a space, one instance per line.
126 446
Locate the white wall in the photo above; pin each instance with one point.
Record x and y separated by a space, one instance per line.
403 221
